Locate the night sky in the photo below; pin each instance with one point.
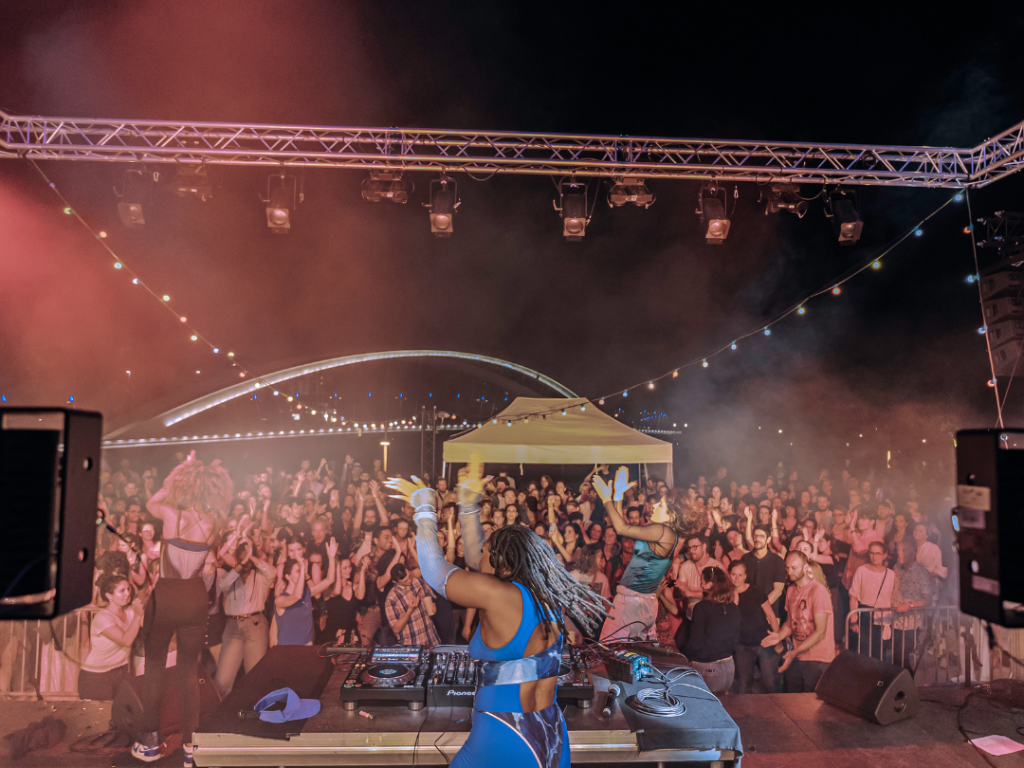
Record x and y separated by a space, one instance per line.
897 355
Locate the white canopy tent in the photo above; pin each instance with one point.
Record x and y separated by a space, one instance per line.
587 436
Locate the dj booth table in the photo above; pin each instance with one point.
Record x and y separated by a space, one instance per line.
397 735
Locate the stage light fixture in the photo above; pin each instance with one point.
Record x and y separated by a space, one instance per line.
630 190
135 194
444 199
784 197
282 197
192 179
713 210
843 210
387 185
572 207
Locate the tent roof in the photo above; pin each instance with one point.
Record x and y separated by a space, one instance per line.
579 437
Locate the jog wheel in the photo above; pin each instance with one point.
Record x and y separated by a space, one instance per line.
387 675
565 674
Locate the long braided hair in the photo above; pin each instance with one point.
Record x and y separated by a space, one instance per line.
518 554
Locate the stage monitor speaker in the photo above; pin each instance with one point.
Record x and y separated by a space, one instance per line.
49 481
989 523
877 691
126 711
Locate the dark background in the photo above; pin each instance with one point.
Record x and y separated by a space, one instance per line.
896 358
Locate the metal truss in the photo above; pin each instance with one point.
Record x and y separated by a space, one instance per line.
484 152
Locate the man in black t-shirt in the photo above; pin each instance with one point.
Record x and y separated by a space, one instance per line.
765 569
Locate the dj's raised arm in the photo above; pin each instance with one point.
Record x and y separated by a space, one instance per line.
471 489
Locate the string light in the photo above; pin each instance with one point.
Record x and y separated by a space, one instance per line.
103 234
799 311
836 290
733 347
194 337
918 232
650 385
117 265
675 374
876 265
166 297
767 332
705 363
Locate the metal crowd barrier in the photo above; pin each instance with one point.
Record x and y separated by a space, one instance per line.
940 645
40 659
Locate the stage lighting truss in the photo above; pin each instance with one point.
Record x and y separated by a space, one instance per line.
387 185
572 207
444 199
630 190
135 195
713 208
283 195
192 179
784 197
844 211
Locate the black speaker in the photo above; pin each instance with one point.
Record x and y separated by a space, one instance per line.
989 523
879 692
126 711
49 481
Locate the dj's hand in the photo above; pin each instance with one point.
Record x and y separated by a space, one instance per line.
622 483
405 488
472 482
604 491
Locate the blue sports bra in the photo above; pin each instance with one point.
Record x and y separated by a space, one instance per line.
500 671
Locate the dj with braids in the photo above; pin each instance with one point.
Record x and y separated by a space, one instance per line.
635 609
191 497
520 590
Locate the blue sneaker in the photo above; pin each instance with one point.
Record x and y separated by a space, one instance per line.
189 762
145 753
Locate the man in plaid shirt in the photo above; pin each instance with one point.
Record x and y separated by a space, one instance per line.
408 609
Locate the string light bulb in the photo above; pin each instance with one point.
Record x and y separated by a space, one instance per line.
767 332
705 363
166 297
836 290
918 232
876 265
733 347
118 265
650 385
194 337
601 401
675 374
801 310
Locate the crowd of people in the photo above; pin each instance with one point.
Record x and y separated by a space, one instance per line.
759 586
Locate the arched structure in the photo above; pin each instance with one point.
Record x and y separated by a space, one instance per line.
247 388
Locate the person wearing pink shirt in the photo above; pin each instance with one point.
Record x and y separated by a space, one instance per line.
809 623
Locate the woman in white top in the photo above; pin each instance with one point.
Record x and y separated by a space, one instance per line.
111 635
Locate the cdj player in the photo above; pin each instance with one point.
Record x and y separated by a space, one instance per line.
452 678
386 674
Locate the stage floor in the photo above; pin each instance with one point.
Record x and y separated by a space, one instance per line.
783 731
